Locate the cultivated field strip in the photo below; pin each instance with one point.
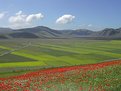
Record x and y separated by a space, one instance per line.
61 52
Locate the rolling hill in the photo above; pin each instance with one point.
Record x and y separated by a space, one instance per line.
45 32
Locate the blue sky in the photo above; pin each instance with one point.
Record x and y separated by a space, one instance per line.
61 14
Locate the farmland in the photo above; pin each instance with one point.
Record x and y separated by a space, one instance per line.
105 76
60 65
33 54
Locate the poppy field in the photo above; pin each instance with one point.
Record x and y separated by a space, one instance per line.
60 65
105 76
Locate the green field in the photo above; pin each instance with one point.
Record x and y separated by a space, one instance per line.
57 52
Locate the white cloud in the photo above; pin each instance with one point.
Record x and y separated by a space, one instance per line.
32 17
19 13
65 19
2 15
20 20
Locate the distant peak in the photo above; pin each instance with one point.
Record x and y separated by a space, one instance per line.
109 29
41 27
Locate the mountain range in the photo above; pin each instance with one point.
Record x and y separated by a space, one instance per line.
45 32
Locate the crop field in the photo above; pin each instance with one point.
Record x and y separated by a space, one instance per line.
27 54
105 76
60 65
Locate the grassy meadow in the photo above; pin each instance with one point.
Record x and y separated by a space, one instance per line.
42 53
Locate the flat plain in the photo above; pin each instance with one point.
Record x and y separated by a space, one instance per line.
28 54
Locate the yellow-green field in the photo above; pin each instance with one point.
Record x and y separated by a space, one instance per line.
57 52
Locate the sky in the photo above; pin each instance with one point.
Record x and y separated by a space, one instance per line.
61 14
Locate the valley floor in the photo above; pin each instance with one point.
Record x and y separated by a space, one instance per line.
18 56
